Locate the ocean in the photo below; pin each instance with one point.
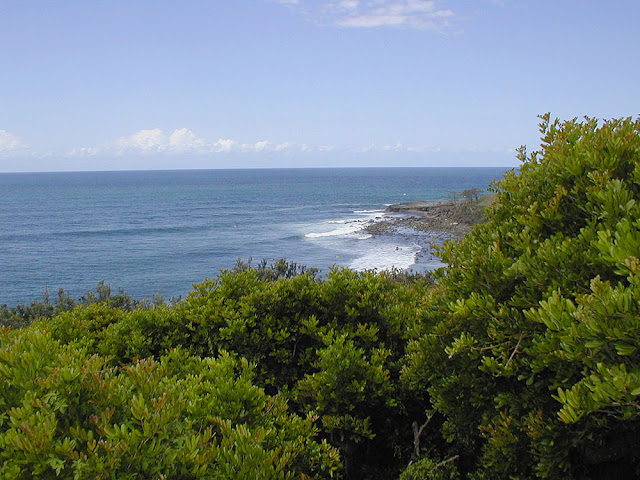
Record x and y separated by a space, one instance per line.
159 232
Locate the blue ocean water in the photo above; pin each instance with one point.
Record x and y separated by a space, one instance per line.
159 232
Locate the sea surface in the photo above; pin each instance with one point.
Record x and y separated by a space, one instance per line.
159 232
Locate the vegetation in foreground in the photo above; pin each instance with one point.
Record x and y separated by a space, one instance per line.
520 360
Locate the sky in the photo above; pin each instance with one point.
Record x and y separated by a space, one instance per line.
156 84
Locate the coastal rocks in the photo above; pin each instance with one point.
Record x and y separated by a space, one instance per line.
425 226
452 218
380 227
416 206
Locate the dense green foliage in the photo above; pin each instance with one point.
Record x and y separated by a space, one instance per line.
520 361
529 351
67 414
326 353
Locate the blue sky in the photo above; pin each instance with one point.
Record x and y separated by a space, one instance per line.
303 83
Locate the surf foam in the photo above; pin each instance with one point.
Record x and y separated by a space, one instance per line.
386 256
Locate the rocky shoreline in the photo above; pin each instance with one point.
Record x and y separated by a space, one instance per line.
454 219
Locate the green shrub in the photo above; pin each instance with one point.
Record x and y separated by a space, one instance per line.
427 469
291 326
66 414
530 348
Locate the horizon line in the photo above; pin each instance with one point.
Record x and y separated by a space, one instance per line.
506 167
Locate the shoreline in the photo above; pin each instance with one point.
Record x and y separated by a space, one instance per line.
455 219
426 224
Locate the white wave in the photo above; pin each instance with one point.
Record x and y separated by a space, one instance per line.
348 225
338 231
365 237
386 257
343 221
369 211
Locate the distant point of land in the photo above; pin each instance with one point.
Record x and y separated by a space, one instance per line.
453 217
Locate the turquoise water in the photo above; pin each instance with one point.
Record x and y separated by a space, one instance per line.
158 232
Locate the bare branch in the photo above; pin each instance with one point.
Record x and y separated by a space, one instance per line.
444 462
514 350
416 435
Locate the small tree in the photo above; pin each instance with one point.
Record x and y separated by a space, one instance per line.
471 195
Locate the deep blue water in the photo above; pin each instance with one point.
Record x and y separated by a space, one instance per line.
159 232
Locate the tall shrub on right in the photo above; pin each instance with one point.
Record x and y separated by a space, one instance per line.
530 351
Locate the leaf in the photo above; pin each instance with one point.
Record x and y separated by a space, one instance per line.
625 349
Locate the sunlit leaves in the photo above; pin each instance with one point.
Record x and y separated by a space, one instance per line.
559 258
70 415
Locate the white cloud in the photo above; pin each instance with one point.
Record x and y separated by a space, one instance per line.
398 147
262 145
418 14
225 145
348 4
181 141
10 143
372 21
421 14
145 141
327 148
84 152
284 146
184 140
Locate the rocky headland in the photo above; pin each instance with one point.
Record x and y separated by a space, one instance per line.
453 219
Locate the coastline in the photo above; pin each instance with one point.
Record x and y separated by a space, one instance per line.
452 218
426 224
